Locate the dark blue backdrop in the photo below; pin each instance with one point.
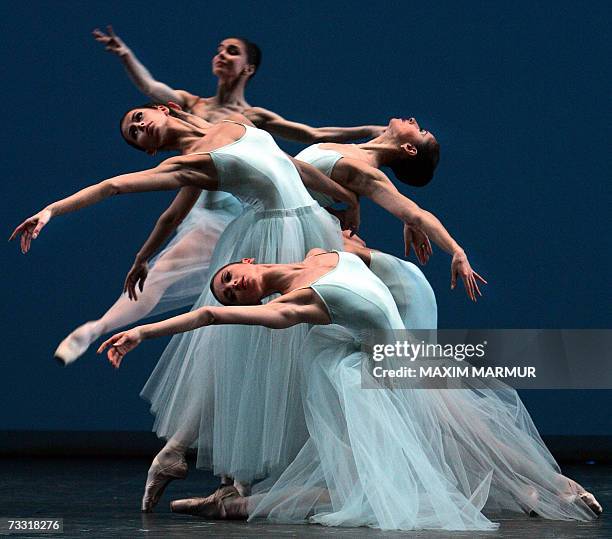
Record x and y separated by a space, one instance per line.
518 97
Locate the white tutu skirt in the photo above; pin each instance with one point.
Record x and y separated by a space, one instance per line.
409 459
234 391
180 270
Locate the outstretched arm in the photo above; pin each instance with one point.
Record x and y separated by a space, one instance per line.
165 225
173 173
314 179
277 125
294 308
139 74
371 182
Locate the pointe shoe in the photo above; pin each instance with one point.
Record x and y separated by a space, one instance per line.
76 344
158 478
591 502
223 504
534 500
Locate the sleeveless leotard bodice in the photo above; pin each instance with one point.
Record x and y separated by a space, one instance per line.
323 160
355 298
256 171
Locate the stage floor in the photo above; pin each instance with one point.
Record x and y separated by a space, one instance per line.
100 498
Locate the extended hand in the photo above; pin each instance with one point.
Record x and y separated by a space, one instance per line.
420 241
30 229
120 344
136 276
460 266
112 41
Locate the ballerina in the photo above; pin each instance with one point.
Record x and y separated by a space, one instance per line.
413 153
176 276
235 63
192 406
386 458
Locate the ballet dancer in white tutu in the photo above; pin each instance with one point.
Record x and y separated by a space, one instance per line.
388 458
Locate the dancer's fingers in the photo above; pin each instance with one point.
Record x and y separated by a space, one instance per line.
39 226
110 31
28 240
407 241
109 341
470 288
19 229
479 277
128 286
133 290
453 279
22 242
114 357
420 252
475 284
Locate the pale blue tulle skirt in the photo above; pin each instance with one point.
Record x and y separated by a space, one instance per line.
409 459
180 270
234 391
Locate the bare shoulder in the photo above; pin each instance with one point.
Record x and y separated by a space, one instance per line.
258 114
201 161
189 99
349 168
306 305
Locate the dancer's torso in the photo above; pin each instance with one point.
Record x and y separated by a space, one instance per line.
206 108
255 170
324 157
355 298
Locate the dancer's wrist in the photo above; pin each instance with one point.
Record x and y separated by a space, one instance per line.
143 333
459 253
140 258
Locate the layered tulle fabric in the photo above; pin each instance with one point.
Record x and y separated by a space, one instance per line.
408 459
179 272
234 391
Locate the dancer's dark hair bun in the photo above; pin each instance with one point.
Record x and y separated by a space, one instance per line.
417 170
253 53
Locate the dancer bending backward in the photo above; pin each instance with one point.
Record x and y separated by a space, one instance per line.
231 391
413 154
179 273
385 458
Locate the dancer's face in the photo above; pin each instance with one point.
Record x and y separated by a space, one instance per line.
146 127
231 60
239 284
408 133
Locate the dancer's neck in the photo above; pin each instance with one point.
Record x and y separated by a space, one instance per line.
183 136
380 150
281 278
230 93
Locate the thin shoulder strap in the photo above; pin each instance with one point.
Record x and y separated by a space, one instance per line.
234 122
